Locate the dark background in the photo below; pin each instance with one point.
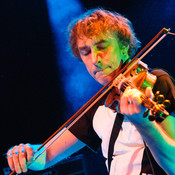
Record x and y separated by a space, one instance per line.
33 102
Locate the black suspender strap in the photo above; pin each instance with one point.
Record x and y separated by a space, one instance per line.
114 134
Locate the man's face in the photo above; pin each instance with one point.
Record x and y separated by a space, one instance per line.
102 56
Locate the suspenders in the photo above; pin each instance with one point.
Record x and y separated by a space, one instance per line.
114 134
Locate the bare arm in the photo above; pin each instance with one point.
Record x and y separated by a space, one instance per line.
64 146
158 137
161 144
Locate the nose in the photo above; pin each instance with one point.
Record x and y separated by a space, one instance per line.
97 58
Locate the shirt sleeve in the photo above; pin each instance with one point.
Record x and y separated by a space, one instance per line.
165 85
83 128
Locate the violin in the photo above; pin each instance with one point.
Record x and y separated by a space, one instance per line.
139 78
134 74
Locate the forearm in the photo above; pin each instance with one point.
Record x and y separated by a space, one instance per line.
159 137
63 147
160 143
52 159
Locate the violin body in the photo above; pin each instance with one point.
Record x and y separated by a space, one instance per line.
139 78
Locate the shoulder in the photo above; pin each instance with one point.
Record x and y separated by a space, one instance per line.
164 81
160 73
165 85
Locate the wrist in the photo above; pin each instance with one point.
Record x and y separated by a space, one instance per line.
38 161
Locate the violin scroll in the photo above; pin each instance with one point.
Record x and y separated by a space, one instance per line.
159 112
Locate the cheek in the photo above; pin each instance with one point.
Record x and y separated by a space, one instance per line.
89 67
112 57
116 60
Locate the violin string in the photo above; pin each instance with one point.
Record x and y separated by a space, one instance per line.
147 102
145 99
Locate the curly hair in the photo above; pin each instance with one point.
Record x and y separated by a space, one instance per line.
99 21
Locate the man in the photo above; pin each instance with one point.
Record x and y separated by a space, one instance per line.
105 42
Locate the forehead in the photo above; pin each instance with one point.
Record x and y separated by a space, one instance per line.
84 41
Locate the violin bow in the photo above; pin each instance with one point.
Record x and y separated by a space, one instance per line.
97 96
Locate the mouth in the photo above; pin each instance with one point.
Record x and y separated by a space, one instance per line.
95 72
102 69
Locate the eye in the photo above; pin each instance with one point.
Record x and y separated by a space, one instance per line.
101 47
85 51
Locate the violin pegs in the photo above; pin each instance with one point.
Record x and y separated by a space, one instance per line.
160 99
167 103
145 114
156 95
151 117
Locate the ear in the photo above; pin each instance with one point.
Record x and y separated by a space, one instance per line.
125 48
125 52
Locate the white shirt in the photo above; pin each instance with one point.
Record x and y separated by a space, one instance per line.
128 148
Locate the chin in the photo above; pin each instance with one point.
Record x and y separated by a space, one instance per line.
103 81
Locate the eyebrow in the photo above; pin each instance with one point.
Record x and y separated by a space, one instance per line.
83 48
97 43
100 42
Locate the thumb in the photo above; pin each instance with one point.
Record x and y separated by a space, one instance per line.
149 92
